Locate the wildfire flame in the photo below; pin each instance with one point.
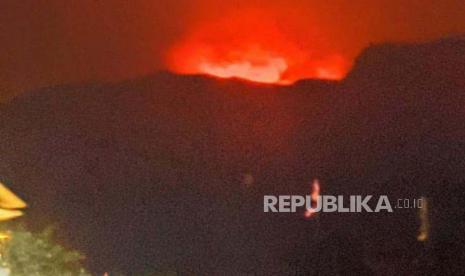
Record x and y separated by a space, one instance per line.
314 196
268 72
253 46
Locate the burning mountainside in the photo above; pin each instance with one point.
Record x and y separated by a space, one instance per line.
254 46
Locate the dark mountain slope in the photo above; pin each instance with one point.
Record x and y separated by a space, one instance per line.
155 172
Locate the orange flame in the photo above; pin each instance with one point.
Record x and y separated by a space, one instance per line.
314 196
252 46
269 72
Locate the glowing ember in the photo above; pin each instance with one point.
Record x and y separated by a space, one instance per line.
424 219
253 48
314 196
309 213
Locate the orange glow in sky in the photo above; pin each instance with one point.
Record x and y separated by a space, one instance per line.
253 46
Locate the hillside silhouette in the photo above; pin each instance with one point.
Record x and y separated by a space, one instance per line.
168 172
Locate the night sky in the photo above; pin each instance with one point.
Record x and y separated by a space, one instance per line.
51 42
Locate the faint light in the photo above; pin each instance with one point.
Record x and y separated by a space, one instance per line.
424 220
328 74
314 196
9 202
248 179
309 213
4 236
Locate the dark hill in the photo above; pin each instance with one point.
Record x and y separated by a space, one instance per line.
150 173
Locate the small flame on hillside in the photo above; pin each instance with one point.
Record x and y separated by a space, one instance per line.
314 196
